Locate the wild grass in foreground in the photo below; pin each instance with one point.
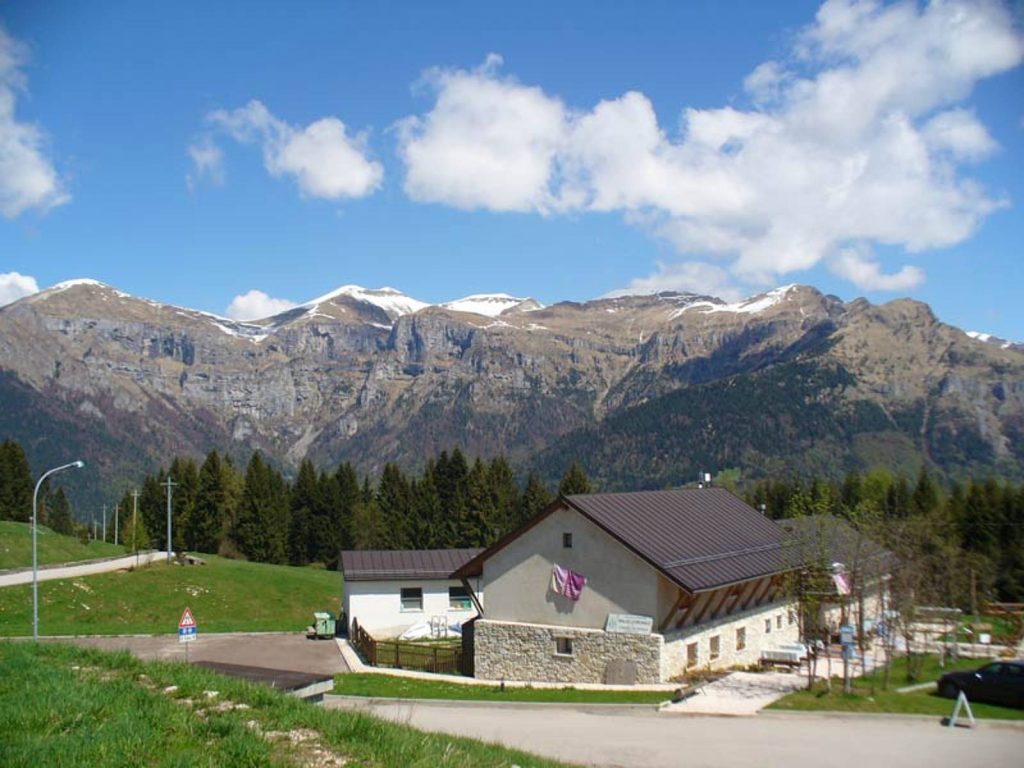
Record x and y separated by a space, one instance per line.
224 595
868 695
394 687
16 547
67 706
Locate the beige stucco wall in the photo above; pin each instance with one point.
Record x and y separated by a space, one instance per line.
517 579
520 651
673 660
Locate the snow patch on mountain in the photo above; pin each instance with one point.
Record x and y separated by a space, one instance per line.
750 305
487 304
988 338
393 302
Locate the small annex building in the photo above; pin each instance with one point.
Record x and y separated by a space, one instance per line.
389 591
632 588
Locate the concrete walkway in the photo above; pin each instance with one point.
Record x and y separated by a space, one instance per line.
273 650
738 693
49 573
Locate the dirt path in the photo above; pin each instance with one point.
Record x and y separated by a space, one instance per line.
49 573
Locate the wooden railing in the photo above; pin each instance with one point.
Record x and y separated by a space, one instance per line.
425 657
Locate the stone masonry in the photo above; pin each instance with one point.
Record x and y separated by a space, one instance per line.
515 651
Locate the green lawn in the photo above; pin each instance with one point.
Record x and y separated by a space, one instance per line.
866 698
392 687
16 547
90 708
224 595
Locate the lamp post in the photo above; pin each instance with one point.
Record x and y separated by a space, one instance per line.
35 557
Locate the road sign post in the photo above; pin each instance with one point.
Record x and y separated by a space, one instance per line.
187 630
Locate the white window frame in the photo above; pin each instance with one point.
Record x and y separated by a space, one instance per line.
461 603
566 643
402 600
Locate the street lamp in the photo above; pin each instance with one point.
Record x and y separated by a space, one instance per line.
35 559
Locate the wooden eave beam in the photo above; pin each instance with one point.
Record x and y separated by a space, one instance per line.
698 605
684 602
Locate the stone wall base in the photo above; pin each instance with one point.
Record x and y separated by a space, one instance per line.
514 651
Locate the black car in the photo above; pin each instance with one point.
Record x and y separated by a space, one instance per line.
1001 682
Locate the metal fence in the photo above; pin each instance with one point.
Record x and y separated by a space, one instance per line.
425 657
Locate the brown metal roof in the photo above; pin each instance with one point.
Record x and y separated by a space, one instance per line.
379 564
701 538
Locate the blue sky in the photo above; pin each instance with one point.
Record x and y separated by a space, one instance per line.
561 151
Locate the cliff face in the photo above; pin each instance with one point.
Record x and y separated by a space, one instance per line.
343 378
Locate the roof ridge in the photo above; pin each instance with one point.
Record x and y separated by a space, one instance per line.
723 555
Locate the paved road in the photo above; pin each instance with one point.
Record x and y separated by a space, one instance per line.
621 738
49 573
274 650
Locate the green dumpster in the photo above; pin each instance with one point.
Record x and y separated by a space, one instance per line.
323 624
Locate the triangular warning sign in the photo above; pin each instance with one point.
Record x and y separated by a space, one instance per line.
186 620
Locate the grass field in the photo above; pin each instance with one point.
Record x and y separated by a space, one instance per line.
868 695
224 595
387 686
89 708
16 547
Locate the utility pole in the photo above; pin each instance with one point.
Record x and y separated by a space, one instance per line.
169 484
104 522
135 525
92 515
117 508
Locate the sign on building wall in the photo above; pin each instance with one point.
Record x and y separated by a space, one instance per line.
629 623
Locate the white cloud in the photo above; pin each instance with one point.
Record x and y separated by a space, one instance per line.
322 158
207 162
858 137
27 177
488 142
256 305
857 266
14 286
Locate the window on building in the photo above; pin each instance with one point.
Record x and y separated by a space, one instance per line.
567 540
412 599
459 599
778 621
691 655
741 638
563 646
792 618
715 647
767 626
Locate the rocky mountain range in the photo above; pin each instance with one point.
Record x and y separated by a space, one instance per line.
646 389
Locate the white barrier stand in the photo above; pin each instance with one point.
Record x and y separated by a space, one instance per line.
961 701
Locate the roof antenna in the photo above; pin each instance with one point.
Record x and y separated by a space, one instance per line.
703 478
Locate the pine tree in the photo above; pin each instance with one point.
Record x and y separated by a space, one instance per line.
367 526
262 528
574 481
183 499
535 499
60 520
394 505
341 515
16 484
480 511
504 498
428 529
201 527
305 505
